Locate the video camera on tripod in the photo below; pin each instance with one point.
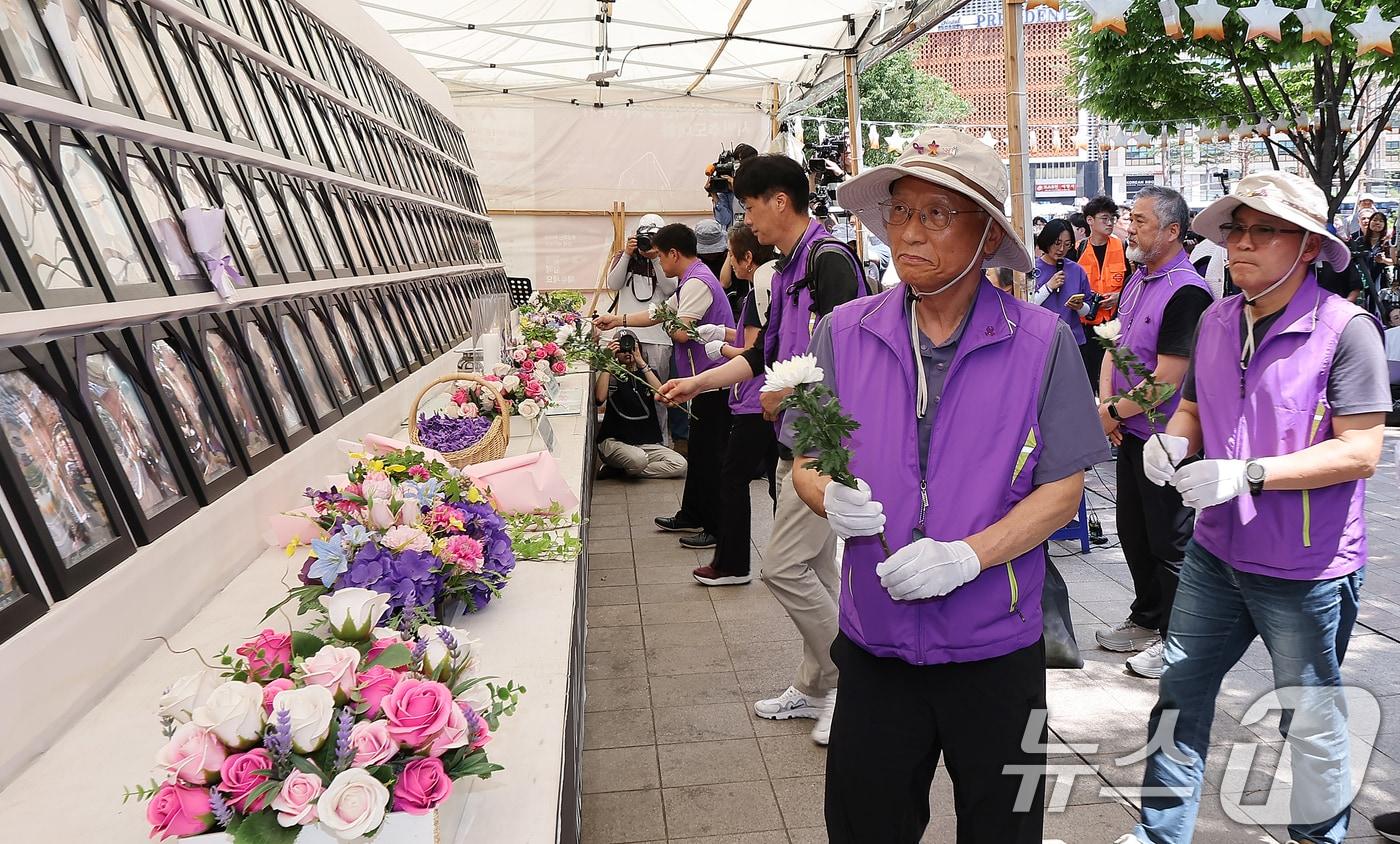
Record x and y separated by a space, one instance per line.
824 160
727 163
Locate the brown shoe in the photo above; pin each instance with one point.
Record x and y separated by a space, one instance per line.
708 576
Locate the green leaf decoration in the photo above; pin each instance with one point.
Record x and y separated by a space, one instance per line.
396 655
305 644
262 828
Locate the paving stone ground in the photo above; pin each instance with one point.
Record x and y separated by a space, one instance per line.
672 751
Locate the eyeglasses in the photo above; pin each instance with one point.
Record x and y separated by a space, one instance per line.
934 218
1106 219
1262 235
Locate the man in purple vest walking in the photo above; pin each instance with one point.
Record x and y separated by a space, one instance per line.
1158 311
1286 398
976 425
702 300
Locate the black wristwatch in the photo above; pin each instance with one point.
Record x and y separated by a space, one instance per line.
1254 475
1113 411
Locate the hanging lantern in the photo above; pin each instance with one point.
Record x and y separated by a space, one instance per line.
1208 20
1032 139
1222 133
1316 21
895 141
1171 18
1265 20
1109 14
874 137
1344 125
1263 128
1244 132
1373 34
1281 124
1081 140
1303 122
989 139
1141 140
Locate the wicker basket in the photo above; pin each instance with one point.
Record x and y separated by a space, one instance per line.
492 445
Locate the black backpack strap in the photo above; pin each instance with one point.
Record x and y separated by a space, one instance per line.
825 245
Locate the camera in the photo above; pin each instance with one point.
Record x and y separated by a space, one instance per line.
824 160
626 343
727 163
644 236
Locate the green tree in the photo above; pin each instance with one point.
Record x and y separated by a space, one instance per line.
1145 77
896 91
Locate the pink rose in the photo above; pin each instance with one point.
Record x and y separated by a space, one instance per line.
533 389
281 684
374 685
551 348
470 410
193 754
480 730
265 652
295 804
460 397
372 743
560 367
179 811
421 786
518 356
404 538
379 647
333 668
456 734
417 710
239 779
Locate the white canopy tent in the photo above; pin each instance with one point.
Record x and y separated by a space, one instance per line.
573 105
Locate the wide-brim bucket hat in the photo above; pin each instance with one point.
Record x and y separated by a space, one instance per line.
1291 198
950 159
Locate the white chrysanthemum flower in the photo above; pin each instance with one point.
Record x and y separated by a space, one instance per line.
1110 330
789 373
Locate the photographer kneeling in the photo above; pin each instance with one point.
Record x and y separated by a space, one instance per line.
629 438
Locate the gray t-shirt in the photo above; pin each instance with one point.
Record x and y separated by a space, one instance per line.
1359 381
1071 435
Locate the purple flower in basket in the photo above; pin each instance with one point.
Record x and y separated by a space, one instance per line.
488 527
446 433
414 580
369 566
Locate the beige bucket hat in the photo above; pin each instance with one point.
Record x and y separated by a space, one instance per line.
1291 198
950 159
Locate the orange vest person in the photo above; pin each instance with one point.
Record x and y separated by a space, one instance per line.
1106 275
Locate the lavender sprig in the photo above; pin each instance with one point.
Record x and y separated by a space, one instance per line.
278 740
344 751
445 634
419 648
222 813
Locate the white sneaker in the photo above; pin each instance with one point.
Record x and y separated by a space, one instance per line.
1129 839
789 704
1127 636
821 733
1150 663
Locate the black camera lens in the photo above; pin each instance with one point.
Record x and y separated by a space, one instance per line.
626 343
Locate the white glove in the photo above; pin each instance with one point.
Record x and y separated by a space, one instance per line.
709 333
851 512
714 349
1161 455
928 568
1207 483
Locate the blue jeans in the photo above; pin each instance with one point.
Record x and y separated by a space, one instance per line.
1306 625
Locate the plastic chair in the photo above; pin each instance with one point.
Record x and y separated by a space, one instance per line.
1077 528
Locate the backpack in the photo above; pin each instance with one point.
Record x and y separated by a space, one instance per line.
825 245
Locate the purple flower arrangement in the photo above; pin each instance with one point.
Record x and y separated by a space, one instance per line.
446 433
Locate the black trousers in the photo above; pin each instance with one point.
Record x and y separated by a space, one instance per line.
709 434
1093 354
893 723
753 448
1154 527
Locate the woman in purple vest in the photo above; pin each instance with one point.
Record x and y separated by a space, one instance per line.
1286 398
976 425
1061 285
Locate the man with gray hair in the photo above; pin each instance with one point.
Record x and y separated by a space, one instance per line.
1158 312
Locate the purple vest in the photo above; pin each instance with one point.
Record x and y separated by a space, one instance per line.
1140 311
1279 406
790 321
1076 281
982 455
743 397
690 356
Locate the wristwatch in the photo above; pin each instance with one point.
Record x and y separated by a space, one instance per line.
1254 474
1113 411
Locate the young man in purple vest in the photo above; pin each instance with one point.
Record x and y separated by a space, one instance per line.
814 276
702 300
1158 311
1286 398
976 426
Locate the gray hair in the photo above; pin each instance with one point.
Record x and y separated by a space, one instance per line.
1169 206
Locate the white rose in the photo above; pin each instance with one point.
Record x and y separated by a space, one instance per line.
501 370
528 409
311 709
563 333
789 373
543 375
234 713
437 659
541 366
510 383
185 695
386 633
353 804
1110 330
352 613
452 411
334 668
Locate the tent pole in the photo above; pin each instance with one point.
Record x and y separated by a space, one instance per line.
856 142
619 238
1014 28
773 113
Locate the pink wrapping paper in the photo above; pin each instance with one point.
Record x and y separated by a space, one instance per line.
299 524
527 483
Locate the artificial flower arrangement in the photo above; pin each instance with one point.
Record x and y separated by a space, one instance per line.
414 529
550 315
462 422
336 730
524 385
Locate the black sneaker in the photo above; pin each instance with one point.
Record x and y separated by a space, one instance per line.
699 540
676 524
1388 825
709 576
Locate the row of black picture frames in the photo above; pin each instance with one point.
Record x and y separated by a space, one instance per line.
108 440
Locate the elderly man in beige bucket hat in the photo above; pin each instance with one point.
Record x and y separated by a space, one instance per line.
1286 400
976 425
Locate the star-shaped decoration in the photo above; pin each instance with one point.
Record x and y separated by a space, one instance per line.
1373 34
1035 4
1281 124
1263 128
1171 18
1109 14
1265 19
1208 19
1316 21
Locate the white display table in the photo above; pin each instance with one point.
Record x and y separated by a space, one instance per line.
532 634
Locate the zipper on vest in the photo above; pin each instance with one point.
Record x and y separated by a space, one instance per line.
923 506
1015 591
1307 501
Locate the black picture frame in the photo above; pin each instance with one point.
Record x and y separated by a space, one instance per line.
373 323
217 345
303 366
30 605
276 382
332 353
